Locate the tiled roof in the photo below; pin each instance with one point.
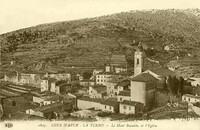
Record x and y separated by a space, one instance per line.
11 74
100 88
130 103
110 102
163 72
50 106
32 72
53 98
116 79
99 100
86 80
106 73
124 83
144 77
125 93
49 79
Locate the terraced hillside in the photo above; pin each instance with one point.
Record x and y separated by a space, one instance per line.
90 42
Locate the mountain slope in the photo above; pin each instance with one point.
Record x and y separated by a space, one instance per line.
89 42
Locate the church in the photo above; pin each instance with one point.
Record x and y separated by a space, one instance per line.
145 82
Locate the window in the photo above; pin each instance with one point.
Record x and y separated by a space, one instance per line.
124 107
129 108
101 80
188 99
120 99
138 61
98 80
184 98
110 108
105 107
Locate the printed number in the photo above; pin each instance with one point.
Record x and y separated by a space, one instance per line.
8 125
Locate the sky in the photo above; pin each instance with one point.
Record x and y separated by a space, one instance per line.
17 14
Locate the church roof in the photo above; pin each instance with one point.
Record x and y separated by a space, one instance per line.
163 72
144 77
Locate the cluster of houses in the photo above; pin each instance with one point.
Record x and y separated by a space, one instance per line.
36 79
113 92
106 91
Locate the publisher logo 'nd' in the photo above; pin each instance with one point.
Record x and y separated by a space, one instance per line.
8 125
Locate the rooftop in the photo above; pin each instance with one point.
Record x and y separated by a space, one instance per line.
144 77
106 73
11 74
48 107
130 103
110 102
100 88
86 80
124 83
99 100
115 79
53 98
125 93
163 72
49 79
32 72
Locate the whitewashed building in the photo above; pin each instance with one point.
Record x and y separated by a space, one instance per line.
191 98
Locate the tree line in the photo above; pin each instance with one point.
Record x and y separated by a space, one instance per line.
174 85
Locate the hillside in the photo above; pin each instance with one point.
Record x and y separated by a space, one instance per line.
89 42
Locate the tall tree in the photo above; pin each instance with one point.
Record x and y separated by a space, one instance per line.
87 75
181 85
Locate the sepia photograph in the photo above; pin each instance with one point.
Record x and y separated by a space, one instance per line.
100 64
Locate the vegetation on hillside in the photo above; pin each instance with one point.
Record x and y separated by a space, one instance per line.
89 42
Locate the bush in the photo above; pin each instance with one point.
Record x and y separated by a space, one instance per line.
104 114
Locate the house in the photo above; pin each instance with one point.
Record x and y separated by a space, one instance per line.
103 77
59 76
124 95
130 107
110 105
48 84
123 85
97 91
193 81
31 78
62 88
111 85
69 97
191 98
87 83
166 48
169 47
12 76
49 111
79 76
143 88
85 114
46 100
96 71
120 68
89 103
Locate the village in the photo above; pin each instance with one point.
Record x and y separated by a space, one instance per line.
107 93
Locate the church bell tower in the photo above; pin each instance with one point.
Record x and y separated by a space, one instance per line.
138 60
